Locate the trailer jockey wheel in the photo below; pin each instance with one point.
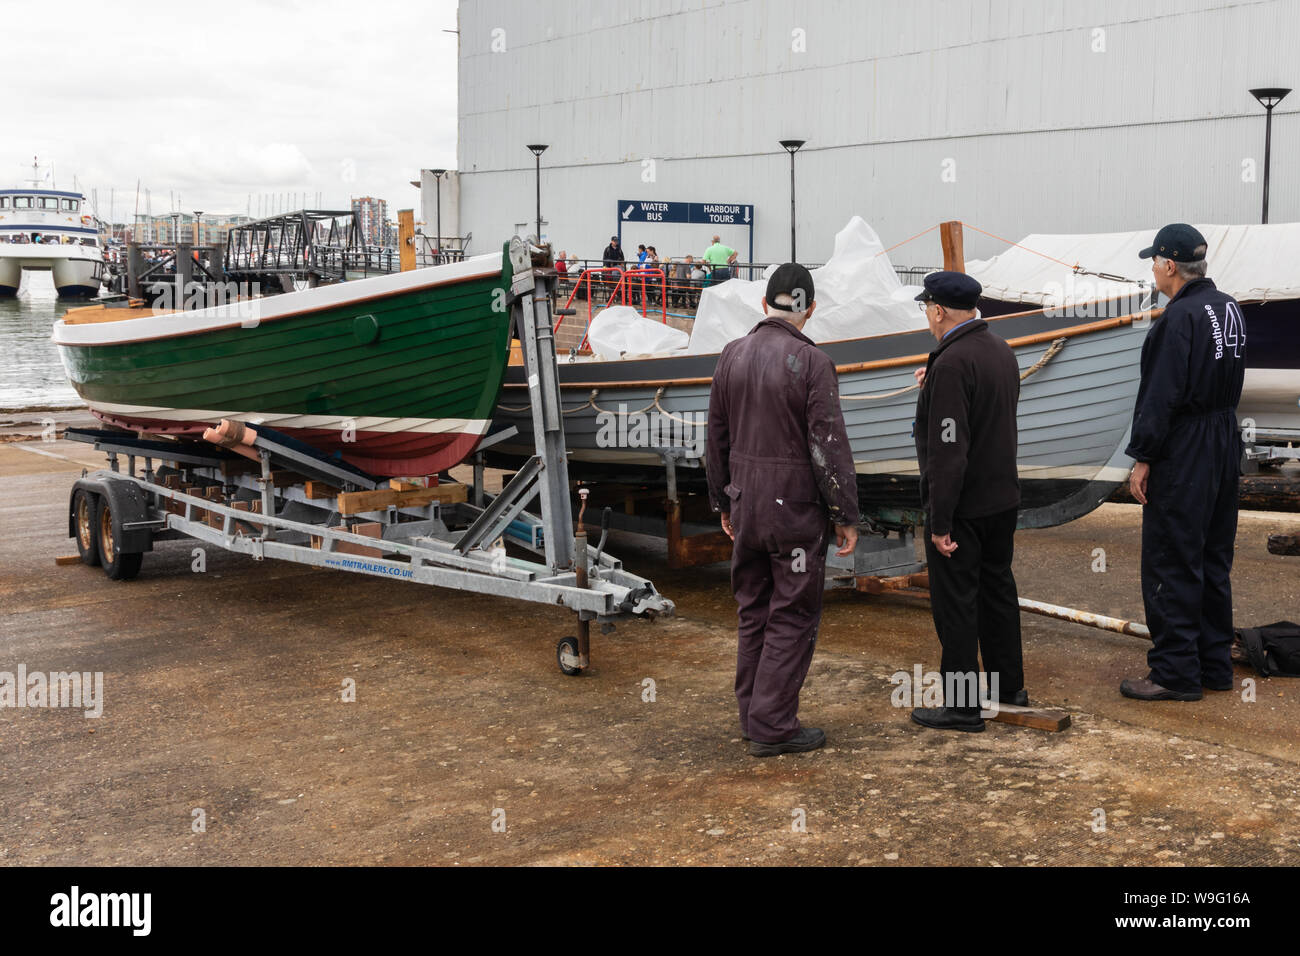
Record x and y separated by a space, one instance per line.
87 525
566 654
118 566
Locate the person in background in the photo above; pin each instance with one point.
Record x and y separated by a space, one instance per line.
1187 448
652 283
681 281
720 257
640 255
612 259
699 276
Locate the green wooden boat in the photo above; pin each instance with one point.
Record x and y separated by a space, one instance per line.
397 374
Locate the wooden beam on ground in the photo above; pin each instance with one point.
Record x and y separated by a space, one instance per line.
1284 544
1036 717
318 489
357 502
954 253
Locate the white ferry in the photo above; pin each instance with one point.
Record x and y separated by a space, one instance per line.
49 230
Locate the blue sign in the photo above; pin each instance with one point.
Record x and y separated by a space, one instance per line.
699 213
705 213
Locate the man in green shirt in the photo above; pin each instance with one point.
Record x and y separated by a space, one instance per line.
720 257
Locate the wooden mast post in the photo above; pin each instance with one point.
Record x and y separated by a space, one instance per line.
954 256
406 238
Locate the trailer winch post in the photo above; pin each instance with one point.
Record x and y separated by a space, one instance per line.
531 289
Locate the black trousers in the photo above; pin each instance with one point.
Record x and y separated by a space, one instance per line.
975 605
1189 527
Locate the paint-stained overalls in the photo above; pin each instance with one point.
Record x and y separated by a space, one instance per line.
1185 427
779 463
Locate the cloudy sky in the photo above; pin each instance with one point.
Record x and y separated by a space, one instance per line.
217 102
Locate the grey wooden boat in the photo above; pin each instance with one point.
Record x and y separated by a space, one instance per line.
1080 377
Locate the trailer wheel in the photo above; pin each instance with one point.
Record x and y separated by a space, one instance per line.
118 566
87 526
566 655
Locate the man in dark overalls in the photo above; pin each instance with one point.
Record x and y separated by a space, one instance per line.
781 474
1188 449
966 443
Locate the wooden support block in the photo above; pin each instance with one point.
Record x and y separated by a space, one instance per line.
371 529
357 502
283 479
65 559
402 484
318 489
1036 717
1284 544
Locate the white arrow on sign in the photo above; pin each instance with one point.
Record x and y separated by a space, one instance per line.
746 214
628 211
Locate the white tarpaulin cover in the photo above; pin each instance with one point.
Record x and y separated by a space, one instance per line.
855 295
621 330
1250 263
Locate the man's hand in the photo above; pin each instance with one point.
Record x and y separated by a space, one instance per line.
1137 482
726 526
944 544
919 375
846 536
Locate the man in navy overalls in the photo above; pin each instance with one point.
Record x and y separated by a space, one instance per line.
1188 449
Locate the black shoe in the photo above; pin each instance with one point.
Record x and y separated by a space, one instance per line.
1218 687
949 718
808 738
1145 688
1019 699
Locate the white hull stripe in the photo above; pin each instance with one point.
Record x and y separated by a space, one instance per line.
282 420
254 311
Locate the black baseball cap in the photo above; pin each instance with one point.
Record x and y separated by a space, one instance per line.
793 280
1177 241
952 290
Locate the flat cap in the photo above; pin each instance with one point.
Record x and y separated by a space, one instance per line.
953 290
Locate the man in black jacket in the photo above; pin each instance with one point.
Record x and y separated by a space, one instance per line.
1188 452
966 441
612 259
781 473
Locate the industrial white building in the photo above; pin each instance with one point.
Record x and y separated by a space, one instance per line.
1015 116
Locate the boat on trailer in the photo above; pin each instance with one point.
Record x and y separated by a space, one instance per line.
397 375
1080 376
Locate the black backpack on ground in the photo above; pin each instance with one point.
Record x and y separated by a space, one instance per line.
1273 650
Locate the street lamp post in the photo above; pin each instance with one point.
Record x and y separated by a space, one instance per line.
537 151
1269 97
198 227
437 175
176 229
792 147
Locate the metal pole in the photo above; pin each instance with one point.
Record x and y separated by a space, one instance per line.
539 193
792 255
1268 148
439 240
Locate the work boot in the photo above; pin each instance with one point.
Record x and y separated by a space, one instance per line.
808 738
1144 688
1019 699
949 718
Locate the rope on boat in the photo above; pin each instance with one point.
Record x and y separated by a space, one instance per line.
1052 351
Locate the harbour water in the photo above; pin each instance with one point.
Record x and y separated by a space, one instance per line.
31 375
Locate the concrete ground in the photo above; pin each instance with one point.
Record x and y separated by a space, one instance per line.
223 694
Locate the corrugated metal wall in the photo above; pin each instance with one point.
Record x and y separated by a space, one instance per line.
1016 116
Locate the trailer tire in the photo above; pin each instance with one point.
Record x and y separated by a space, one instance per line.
567 648
85 524
118 565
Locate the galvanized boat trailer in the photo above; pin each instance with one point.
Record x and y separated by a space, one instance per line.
294 504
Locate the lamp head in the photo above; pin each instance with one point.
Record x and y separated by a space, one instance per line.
1270 96
537 149
792 145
